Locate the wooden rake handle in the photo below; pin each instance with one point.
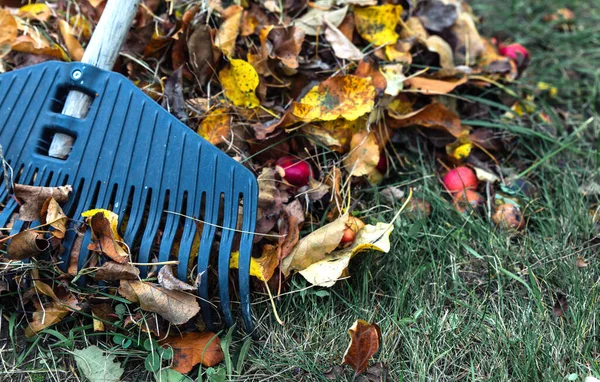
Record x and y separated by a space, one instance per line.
101 52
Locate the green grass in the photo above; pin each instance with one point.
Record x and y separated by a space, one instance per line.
456 299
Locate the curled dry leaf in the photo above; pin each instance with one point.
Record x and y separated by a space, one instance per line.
349 97
364 154
433 116
342 47
27 244
312 21
59 293
365 340
377 24
190 349
53 215
438 45
112 271
216 126
43 317
327 271
240 80
369 68
261 267
167 280
104 240
287 44
73 46
33 198
229 30
174 306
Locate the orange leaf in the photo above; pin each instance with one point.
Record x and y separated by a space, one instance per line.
433 116
216 126
73 46
434 86
27 44
8 29
365 340
43 317
104 241
193 348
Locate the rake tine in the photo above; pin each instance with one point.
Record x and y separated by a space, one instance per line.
244 258
227 235
208 234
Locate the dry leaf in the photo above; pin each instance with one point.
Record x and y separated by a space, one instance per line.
460 149
433 116
53 215
342 96
239 80
394 78
43 317
8 30
33 198
342 47
427 85
469 44
104 240
437 15
364 154
59 293
377 24
193 348
365 340
216 127
200 52
174 306
335 134
112 217
73 46
111 271
580 262
287 44
328 270
27 244
261 267
368 68
229 30
560 305
28 44
315 246
312 21
40 12
167 280
438 45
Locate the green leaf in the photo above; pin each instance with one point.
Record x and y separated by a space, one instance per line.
120 310
152 362
243 353
96 366
165 353
170 375
216 375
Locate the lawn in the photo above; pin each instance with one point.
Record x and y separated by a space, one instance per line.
455 298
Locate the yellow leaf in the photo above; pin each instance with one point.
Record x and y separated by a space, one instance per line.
334 134
39 11
8 29
438 45
377 24
342 96
216 126
262 267
394 77
73 46
327 271
461 148
39 45
239 80
364 154
113 219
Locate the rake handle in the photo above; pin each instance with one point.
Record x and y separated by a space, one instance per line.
101 52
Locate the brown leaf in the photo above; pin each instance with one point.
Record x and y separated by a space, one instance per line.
365 340
200 51
433 116
560 305
33 198
104 240
174 101
315 246
291 220
8 30
438 45
376 373
27 244
111 271
287 44
28 44
53 215
428 85
229 30
105 312
580 262
364 154
174 306
368 68
73 46
167 280
193 348
341 45
469 43
436 15
51 313
59 293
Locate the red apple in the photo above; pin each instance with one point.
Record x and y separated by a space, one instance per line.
459 179
467 200
509 217
295 171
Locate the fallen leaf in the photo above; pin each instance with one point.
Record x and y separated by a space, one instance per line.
97 366
364 154
216 126
438 45
377 24
8 30
312 21
239 80
200 52
190 349
436 15
174 306
73 46
39 46
469 44
229 30
341 96
112 217
375 373
103 312
287 44
433 116
315 246
580 262
112 271
170 375
460 149
331 267
54 216
46 316
560 305
174 101
335 373
365 340
33 198
261 267
167 280
40 12
369 68
335 134
59 293
428 85
394 78
342 47
104 240
27 244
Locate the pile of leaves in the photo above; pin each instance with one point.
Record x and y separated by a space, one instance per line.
319 99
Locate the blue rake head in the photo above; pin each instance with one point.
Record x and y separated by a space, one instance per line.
131 156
